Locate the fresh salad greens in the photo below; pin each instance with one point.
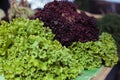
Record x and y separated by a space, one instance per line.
28 51
93 54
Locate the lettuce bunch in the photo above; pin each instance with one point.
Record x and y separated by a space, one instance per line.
67 24
94 54
28 52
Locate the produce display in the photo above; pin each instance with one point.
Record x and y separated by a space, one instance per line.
57 44
28 51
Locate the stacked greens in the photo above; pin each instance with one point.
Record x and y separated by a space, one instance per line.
28 51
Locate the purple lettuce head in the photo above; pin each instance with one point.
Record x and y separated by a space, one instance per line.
67 24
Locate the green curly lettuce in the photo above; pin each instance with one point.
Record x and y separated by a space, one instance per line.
28 52
93 54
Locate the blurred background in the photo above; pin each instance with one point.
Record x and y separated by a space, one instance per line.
92 6
99 6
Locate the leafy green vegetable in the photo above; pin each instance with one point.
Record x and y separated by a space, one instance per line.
94 54
28 52
111 23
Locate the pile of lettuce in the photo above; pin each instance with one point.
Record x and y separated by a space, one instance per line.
28 51
67 24
93 54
